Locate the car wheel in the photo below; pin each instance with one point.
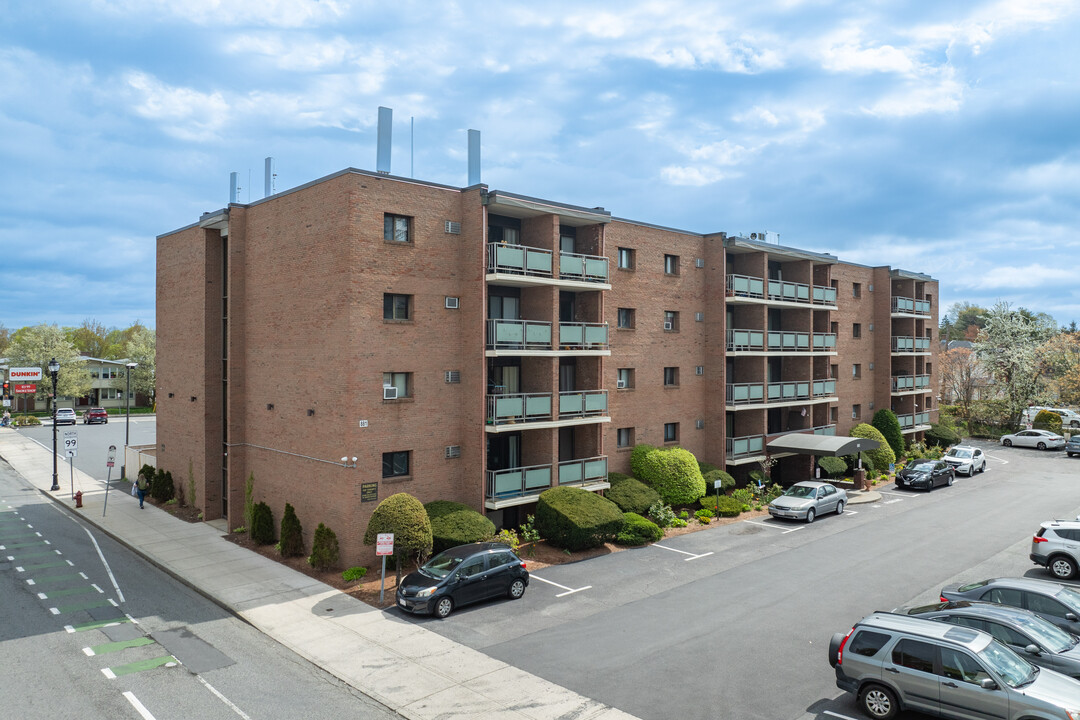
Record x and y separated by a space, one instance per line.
878 702
1062 567
982 468
517 589
840 508
1007 443
1041 446
810 515
443 607
949 481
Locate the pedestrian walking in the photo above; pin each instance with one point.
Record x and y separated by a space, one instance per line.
140 488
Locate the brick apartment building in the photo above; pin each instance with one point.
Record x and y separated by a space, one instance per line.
366 334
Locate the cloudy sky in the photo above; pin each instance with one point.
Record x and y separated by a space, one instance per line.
940 137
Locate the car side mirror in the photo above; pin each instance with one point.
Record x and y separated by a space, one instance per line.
1071 617
1032 649
988 684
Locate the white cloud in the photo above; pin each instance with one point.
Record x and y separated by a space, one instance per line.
181 112
1029 276
265 13
930 95
303 54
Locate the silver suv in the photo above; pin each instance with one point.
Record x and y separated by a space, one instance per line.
1056 546
897 662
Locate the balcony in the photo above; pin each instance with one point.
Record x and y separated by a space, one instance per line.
523 265
516 486
914 421
507 413
907 345
749 394
780 341
910 383
753 288
519 337
906 307
753 446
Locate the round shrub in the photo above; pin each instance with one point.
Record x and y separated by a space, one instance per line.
706 467
637 459
881 457
726 481
834 466
638 530
292 534
454 524
262 524
1044 420
724 506
576 519
888 424
632 496
942 436
403 515
325 552
675 475
616 477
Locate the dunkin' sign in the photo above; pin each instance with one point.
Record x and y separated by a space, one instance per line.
24 374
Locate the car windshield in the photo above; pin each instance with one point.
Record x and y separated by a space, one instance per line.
799 491
1071 598
1045 633
441 565
1013 670
957 453
923 466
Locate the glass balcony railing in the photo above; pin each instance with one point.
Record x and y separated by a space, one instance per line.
583 336
780 341
818 430
789 291
788 391
755 287
755 393
905 383
824 388
745 286
534 479
518 334
583 403
824 295
519 260
745 340
583 472
746 446
910 306
908 344
519 408
586 268
825 341
911 420
745 393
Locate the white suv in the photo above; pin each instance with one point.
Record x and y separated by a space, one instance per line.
966 460
1056 546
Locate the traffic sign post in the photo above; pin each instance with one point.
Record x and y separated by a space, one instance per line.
108 477
71 448
384 545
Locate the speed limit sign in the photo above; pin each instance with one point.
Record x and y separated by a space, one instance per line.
71 443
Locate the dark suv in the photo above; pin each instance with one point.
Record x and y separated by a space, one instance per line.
462 575
95 415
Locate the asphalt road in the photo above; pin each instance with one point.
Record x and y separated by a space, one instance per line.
94 442
90 630
734 621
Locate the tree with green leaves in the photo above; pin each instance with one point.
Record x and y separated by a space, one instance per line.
959 318
1008 346
140 346
888 425
89 338
35 346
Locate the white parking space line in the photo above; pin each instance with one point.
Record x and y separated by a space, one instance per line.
569 591
838 715
692 555
139 707
775 527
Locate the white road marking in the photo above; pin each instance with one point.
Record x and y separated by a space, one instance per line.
692 555
776 527
232 706
838 715
569 591
116 586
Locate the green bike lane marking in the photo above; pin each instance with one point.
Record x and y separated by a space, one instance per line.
24 535
35 554
71 591
87 605
115 646
98 624
140 666
22 545
57 578
42 566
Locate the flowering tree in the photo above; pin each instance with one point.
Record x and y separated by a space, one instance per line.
1008 346
961 377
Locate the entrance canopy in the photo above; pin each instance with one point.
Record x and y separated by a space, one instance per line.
821 445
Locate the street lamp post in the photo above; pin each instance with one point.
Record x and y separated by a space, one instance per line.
54 368
127 422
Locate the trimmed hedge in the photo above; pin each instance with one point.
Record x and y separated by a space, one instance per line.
639 460
888 424
943 436
325 552
453 524
292 534
1046 420
262 524
724 506
883 456
638 530
403 515
711 476
834 466
161 486
674 474
632 496
577 519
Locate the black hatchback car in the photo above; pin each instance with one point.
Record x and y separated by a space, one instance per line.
926 474
462 575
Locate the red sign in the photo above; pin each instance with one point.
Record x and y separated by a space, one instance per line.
28 373
384 544
24 388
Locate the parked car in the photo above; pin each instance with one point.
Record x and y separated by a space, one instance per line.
1056 546
1041 439
1060 604
1030 636
65 416
966 459
95 415
926 474
1069 418
895 662
808 499
1072 445
462 575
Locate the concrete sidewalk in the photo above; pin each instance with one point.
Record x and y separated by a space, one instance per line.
411 670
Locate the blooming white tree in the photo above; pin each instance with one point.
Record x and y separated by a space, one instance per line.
1008 346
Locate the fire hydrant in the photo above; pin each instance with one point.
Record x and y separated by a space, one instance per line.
78 499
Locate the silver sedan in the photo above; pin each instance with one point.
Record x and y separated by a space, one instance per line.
1041 439
808 499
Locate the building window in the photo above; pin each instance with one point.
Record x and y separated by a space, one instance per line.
671 376
399 381
396 228
395 464
856 289
834 371
856 412
396 307
671 432
833 415
833 327
856 371
856 330
626 318
671 320
624 437
671 264
626 258
625 378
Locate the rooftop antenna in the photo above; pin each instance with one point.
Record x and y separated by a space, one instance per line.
268 177
412 146
474 157
382 155
234 188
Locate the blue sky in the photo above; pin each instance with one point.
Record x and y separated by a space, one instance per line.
939 137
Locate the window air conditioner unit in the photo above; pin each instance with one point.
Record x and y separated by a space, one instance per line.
389 393
699 370
699 262
700 317
451 303
871 366
453 376
453 228
700 424
620 384
871 287
854 415
669 325
453 451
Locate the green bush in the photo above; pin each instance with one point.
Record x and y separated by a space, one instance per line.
292 534
1044 420
577 519
638 530
881 457
632 496
325 553
724 507
706 467
674 474
888 425
638 459
354 573
403 515
662 514
262 524
147 471
771 493
942 436
161 487
616 477
744 497
454 524
833 466
704 513
711 476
